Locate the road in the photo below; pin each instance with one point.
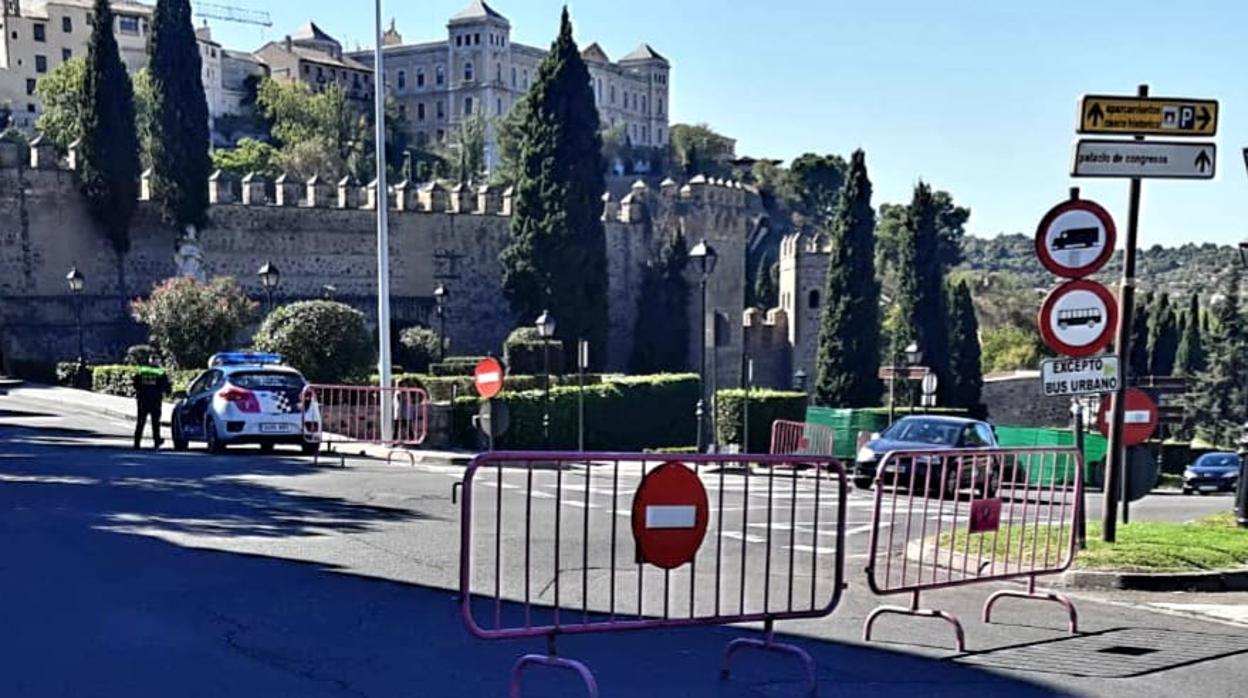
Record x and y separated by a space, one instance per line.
147 574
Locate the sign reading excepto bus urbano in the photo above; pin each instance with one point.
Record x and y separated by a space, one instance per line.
1139 417
1075 238
1078 318
1145 159
1148 116
1068 377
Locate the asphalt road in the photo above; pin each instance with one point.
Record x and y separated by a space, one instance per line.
138 573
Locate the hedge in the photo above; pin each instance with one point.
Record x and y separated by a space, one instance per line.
523 352
443 388
71 374
766 406
631 413
119 379
456 366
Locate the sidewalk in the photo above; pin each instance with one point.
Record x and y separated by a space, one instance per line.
72 400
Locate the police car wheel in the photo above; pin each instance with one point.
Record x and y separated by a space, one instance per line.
215 445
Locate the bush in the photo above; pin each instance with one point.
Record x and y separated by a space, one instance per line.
142 355
523 352
418 347
190 321
119 380
71 374
326 340
444 388
456 366
766 406
34 371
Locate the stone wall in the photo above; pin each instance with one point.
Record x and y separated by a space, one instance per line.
1016 399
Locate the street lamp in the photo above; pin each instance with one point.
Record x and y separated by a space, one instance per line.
705 257
799 380
76 281
439 298
546 330
270 277
914 357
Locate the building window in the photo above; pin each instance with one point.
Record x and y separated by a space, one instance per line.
422 139
526 79
356 80
333 73
306 68
813 300
476 39
459 40
441 111
66 54
214 52
402 80
441 135
598 89
67 25
41 64
402 111
41 32
30 108
467 106
612 91
468 71
513 77
658 136
439 77
498 73
645 135
420 111
660 106
643 105
31 84
420 77
498 107
128 25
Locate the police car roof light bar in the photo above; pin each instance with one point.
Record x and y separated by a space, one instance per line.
241 358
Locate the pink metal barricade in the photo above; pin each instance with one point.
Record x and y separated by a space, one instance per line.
564 543
801 438
351 414
959 517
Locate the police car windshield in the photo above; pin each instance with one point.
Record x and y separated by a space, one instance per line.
266 379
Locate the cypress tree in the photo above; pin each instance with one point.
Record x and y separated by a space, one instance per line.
765 286
920 287
1139 360
109 154
556 257
180 161
965 372
1190 358
1163 335
1218 401
848 360
661 333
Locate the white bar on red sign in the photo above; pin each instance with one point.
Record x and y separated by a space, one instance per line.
1136 417
489 377
671 516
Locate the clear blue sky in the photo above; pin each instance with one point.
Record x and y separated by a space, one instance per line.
975 96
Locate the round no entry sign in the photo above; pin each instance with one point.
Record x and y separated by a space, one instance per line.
1139 417
670 515
488 378
1078 318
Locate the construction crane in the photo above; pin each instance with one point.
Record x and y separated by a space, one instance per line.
229 13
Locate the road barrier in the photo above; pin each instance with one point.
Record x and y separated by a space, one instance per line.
570 543
351 414
801 438
960 517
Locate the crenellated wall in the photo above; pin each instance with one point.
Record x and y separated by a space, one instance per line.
320 233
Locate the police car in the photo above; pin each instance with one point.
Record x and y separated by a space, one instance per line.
247 398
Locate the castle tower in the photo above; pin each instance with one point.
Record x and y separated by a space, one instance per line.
803 277
656 70
479 41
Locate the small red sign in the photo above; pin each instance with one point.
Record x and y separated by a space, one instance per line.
1078 318
985 515
670 515
488 378
1139 418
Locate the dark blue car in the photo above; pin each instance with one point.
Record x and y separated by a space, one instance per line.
1212 472
928 433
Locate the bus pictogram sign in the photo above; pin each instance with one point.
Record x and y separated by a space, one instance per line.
1078 318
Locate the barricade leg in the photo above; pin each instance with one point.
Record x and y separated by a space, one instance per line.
914 610
1031 593
411 457
769 645
554 662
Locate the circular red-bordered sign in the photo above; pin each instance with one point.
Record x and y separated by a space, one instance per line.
488 378
1139 417
670 514
1078 318
1076 238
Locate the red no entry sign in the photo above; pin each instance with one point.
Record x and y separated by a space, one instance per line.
669 516
488 378
1078 318
1075 238
1139 418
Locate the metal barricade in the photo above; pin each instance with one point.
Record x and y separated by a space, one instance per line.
351 414
801 438
959 517
571 543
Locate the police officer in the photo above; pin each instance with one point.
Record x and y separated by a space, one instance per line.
151 385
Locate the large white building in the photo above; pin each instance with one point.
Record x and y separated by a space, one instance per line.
477 70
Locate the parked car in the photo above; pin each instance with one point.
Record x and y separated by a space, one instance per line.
929 433
1212 472
247 398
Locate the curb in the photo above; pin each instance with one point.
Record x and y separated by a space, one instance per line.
1206 582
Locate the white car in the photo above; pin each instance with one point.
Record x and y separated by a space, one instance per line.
247 398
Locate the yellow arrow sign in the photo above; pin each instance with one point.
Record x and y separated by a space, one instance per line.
1148 116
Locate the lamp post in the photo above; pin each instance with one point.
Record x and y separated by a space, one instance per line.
270 277
439 298
705 257
799 380
914 357
76 281
384 365
546 330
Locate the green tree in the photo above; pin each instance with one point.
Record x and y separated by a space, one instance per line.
144 114
921 288
180 161
698 149
556 257
1163 337
766 288
109 154
1140 358
509 132
327 341
661 333
965 356
1010 348
950 225
847 363
189 321
64 97
469 150
1218 402
1190 359
250 155
817 181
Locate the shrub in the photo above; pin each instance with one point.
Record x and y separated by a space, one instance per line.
119 380
418 348
523 352
456 366
766 406
190 321
326 340
71 374
444 388
142 355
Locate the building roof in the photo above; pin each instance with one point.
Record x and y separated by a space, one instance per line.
644 53
38 8
594 52
313 55
311 32
477 9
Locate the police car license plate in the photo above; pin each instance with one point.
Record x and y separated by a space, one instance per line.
274 428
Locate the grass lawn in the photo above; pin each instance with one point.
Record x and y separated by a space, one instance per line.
1213 543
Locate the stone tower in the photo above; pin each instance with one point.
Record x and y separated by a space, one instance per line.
479 38
803 276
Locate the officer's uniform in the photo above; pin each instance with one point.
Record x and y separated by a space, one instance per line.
151 385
